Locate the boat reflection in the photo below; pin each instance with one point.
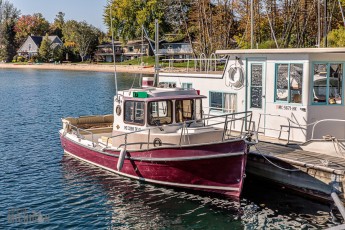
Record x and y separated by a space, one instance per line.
131 204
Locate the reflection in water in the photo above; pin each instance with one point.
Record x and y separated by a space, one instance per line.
132 204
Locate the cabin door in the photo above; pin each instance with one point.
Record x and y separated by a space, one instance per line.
256 92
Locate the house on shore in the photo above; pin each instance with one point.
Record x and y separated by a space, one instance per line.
133 49
176 50
32 44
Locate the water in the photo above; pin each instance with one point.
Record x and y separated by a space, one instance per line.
40 188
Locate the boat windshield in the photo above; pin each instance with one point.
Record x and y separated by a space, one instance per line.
184 110
160 112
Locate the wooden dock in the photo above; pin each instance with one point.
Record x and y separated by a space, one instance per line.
311 173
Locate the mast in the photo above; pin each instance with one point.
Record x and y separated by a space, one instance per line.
156 78
113 46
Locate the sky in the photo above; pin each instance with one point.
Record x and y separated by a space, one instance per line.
89 10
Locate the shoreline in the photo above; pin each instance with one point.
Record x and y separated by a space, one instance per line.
81 67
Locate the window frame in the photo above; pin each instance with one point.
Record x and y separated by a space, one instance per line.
187 84
288 101
326 103
124 113
171 109
221 110
192 112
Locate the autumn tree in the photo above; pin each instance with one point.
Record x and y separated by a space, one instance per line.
8 17
34 24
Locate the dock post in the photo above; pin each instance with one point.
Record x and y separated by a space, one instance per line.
339 204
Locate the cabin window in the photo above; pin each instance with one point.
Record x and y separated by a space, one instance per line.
184 110
134 112
160 112
187 85
198 109
289 83
327 84
225 102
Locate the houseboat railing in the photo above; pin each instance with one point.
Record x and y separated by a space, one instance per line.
281 126
244 117
202 64
321 121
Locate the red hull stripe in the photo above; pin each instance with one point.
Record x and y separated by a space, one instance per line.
157 181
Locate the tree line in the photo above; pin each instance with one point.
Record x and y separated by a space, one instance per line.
208 25
226 24
80 38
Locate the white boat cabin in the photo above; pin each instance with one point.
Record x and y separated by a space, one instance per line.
142 108
287 90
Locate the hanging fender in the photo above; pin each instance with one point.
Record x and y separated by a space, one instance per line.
121 159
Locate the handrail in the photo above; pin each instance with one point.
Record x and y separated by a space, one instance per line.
280 130
185 128
84 130
320 121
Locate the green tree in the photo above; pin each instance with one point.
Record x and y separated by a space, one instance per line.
80 37
8 17
336 38
128 17
56 26
45 50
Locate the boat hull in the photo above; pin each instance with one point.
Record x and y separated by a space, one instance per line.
217 167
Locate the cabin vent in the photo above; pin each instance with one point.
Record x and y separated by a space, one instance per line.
147 82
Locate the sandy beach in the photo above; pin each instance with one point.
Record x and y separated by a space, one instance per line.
80 67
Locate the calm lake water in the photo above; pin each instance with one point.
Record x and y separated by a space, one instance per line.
41 188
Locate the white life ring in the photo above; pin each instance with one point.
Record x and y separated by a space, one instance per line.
236 77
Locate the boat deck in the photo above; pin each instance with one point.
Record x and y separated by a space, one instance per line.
300 157
310 173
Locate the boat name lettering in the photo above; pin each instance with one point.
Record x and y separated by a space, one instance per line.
286 107
131 128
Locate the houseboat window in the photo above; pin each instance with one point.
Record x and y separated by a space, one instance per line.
160 112
187 85
289 83
256 86
225 102
327 83
134 112
184 110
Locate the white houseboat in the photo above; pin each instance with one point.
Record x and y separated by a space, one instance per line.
295 96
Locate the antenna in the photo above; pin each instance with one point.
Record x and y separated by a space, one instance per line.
113 46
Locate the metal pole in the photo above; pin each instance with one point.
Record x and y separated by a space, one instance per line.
318 25
339 204
113 46
325 24
156 79
251 24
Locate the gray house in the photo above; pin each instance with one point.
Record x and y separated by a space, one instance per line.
32 44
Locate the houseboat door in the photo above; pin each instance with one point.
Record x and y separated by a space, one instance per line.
256 90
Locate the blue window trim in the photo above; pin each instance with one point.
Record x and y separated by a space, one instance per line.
221 110
328 63
275 82
187 83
